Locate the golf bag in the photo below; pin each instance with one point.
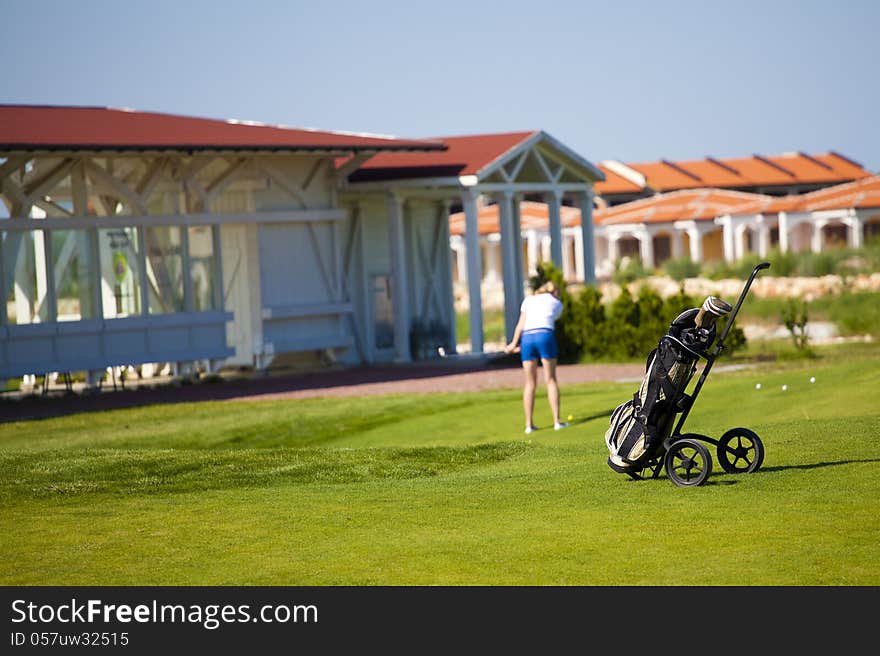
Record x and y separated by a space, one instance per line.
640 425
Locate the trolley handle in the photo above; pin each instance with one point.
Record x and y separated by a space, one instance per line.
720 343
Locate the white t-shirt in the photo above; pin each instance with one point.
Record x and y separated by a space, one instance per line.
541 311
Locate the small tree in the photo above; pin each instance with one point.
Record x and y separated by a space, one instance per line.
795 318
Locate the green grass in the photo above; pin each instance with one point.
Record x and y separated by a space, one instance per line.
445 489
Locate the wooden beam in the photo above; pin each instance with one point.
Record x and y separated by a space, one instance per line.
353 165
115 187
279 178
219 184
12 164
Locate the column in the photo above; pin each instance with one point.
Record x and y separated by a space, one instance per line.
763 237
783 232
474 267
518 250
554 204
854 232
588 254
510 273
448 291
696 244
533 243
816 241
675 243
739 241
491 260
579 256
646 248
399 289
568 269
613 250
727 237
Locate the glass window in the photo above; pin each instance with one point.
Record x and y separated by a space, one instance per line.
164 269
120 271
202 267
24 276
73 263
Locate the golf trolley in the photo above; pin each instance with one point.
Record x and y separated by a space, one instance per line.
641 436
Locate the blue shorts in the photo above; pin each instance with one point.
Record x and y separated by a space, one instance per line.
538 343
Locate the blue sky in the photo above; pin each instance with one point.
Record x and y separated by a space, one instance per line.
629 80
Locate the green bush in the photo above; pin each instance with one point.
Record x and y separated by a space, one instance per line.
855 313
629 269
682 268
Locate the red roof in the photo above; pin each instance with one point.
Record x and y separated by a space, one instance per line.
755 171
615 183
686 205
466 155
34 127
861 194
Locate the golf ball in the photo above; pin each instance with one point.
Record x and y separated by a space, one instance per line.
757 385
570 417
812 379
784 387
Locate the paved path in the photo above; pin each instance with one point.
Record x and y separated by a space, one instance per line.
413 379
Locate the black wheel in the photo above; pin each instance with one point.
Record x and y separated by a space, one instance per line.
740 451
688 463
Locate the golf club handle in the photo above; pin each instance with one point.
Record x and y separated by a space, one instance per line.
742 297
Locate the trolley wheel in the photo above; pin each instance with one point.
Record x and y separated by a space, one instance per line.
688 463
740 451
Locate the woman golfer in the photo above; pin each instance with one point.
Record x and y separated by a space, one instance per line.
537 318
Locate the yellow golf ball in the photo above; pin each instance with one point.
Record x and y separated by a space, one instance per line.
570 417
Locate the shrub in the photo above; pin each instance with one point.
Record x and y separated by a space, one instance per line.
629 269
795 317
682 268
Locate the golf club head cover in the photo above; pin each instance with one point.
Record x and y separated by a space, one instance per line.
712 308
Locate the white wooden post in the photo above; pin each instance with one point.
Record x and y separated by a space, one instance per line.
449 293
695 242
588 250
554 203
510 272
518 249
399 289
474 266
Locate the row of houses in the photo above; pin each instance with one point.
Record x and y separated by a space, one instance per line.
131 238
707 210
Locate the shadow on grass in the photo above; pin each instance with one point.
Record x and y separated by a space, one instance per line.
584 420
815 465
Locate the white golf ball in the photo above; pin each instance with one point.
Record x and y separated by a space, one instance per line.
757 385
812 379
784 387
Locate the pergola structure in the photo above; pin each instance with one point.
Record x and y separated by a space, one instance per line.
137 237
504 168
